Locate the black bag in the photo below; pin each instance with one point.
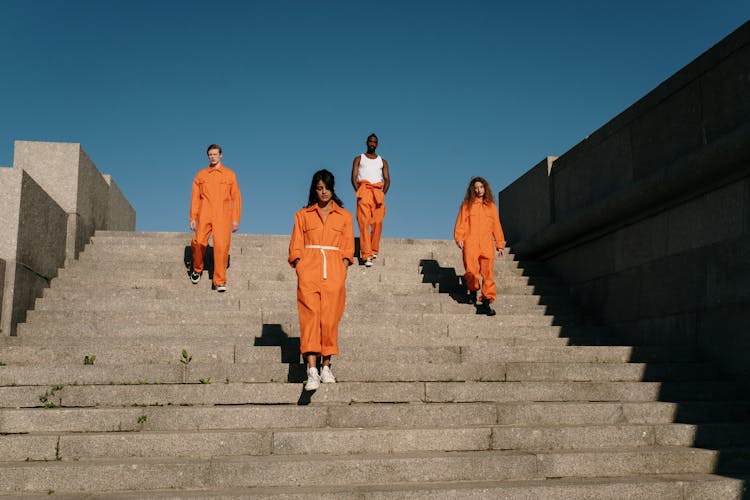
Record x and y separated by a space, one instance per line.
208 260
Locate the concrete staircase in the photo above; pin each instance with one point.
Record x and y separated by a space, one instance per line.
193 394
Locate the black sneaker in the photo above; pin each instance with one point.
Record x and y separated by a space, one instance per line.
473 297
194 277
486 308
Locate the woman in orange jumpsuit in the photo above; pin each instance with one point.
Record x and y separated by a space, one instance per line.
321 250
478 234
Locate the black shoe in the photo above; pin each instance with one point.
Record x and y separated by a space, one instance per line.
194 277
486 308
473 297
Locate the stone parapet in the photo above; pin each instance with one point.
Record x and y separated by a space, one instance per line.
120 214
52 201
32 247
67 173
648 217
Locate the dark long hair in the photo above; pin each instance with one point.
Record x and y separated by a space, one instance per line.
327 178
488 196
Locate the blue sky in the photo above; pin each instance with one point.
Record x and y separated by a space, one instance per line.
452 88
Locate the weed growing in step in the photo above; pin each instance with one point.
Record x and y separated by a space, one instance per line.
2 364
186 357
89 360
45 398
50 492
58 456
205 380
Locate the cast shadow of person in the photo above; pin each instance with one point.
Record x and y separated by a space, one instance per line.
444 279
273 334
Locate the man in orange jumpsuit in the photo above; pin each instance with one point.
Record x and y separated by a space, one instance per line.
478 233
321 249
371 181
215 208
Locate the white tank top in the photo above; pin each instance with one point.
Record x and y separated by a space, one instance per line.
370 170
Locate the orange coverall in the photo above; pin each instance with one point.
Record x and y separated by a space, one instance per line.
477 225
216 202
370 213
321 275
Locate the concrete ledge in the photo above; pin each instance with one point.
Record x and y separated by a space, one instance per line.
531 190
120 213
722 162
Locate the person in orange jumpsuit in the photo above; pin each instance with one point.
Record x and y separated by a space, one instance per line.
478 234
320 250
371 181
215 209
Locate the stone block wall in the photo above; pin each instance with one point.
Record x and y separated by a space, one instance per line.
53 199
67 173
120 215
532 192
33 244
649 217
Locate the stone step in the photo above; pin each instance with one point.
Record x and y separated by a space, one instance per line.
264 243
664 487
247 300
242 278
158 351
230 302
421 262
466 322
377 293
408 415
343 441
257 241
42 328
237 472
350 392
41 331
348 337
348 371
158 288
270 250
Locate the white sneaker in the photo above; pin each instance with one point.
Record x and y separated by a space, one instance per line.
326 376
368 262
374 256
313 379
221 288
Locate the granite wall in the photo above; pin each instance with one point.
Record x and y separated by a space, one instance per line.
648 219
33 244
52 201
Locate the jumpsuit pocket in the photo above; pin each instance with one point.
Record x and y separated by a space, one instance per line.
226 188
336 233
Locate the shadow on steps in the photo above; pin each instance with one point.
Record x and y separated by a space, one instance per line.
273 334
714 408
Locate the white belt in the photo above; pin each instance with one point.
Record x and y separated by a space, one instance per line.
323 249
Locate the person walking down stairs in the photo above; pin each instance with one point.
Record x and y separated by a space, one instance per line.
321 250
215 208
371 180
478 234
